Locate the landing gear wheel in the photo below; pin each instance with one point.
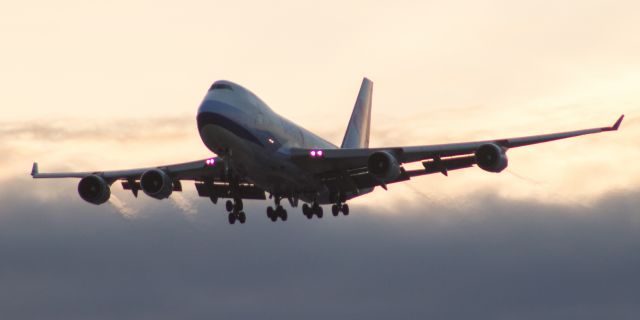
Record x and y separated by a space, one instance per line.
229 205
273 217
232 218
317 210
270 212
335 210
281 213
242 217
345 209
306 210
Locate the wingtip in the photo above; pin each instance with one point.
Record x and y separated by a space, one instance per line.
617 124
34 169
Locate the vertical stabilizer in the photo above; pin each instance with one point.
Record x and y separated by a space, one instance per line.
357 135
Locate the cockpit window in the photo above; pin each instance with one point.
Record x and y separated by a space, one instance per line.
221 86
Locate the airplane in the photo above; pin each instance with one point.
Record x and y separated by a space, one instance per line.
259 152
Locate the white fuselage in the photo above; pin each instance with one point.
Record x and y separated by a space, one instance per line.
238 126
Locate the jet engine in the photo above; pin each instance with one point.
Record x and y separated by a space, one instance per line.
383 165
94 189
156 184
491 157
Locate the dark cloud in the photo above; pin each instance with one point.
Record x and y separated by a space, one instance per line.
497 259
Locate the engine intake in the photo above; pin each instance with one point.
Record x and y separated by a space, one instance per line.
491 157
156 184
94 189
383 165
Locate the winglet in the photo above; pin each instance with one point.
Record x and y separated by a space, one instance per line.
617 124
34 169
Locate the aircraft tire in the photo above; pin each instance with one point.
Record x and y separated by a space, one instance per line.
319 212
335 210
345 209
229 205
242 217
232 218
270 212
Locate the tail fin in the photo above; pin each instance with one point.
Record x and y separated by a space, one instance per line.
357 135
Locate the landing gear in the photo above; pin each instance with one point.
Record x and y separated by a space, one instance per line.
306 210
235 211
336 208
278 212
313 210
239 216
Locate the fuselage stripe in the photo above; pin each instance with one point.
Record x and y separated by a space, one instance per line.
216 119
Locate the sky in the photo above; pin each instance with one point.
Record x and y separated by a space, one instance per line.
91 85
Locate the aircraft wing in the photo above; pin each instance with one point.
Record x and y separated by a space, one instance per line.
195 170
209 174
439 158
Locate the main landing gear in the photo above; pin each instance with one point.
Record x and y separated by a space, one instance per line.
338 207
278 212
313 210
235 211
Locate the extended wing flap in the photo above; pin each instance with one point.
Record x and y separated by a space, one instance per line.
215 190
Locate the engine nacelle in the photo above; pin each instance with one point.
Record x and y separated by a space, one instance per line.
94 189
383 165
156 184
491 157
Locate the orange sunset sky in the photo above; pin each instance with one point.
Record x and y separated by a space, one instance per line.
89 85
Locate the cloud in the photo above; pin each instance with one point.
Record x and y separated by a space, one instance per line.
482 257
119 130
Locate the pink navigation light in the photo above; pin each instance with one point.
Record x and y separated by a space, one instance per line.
211 162
316 153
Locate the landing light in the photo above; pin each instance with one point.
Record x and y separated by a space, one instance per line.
316 153
210 162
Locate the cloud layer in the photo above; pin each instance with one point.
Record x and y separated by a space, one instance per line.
494 259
